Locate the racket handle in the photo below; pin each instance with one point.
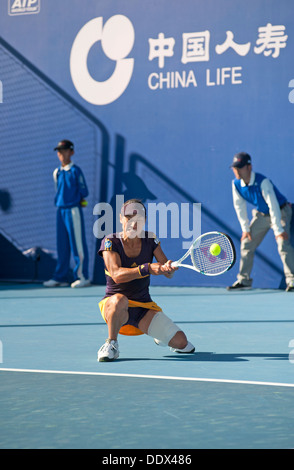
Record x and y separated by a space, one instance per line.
174 264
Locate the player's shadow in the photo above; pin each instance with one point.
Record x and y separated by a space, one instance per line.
212 357
227 357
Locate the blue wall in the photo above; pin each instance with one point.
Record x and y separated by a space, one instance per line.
175 126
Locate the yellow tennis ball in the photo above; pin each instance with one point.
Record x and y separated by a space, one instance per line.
215 249
84 203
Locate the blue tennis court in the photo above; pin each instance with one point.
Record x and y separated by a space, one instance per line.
187 110
236 391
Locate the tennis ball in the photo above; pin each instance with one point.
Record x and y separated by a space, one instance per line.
84 203
215 249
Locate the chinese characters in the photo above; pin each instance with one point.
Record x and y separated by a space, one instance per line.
271 40
161 48
196 45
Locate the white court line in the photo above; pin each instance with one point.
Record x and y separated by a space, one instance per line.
161 377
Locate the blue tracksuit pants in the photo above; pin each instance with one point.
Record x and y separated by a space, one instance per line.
71 238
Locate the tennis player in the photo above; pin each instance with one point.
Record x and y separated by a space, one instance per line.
127 307
272 211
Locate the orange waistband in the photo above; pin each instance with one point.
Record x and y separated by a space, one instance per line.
130 330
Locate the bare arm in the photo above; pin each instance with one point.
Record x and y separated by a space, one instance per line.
164 264
117 272
120 274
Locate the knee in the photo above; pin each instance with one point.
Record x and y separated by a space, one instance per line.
119 301
163 328
116 305
179 341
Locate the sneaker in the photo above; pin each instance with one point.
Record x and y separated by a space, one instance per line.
109 351
189 349
238 286
53 283
81 283
290 287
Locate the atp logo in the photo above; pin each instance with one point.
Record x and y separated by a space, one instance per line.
117 38
23 7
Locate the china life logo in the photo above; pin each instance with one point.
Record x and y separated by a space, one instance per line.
23 7
117 37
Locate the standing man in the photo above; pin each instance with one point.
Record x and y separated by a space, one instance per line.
71 189
272 211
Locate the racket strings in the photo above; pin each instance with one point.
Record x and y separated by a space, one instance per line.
207 263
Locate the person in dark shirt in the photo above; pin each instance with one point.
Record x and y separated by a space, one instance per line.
127 306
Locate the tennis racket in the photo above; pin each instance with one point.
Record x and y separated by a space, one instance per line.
203 261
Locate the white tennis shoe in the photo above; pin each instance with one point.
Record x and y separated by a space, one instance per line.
290 287
189 349
53 283
81 283
109 351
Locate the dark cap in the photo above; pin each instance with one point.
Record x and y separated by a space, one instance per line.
64 144
241 159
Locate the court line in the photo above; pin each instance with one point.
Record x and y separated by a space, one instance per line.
141 376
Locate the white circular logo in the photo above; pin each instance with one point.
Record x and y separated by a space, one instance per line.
117 39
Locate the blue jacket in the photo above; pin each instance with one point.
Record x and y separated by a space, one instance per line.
71 186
